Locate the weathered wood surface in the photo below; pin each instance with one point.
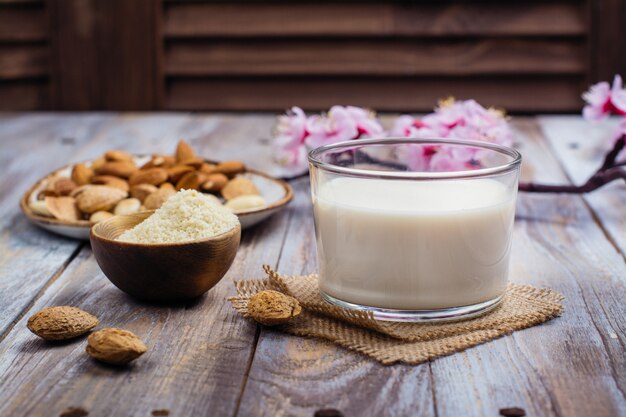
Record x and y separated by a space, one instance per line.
580 147
205 360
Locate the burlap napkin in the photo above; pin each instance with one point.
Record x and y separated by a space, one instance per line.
390 342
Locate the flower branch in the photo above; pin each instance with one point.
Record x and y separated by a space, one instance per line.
608 172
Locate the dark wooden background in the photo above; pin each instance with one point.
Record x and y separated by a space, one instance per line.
526 56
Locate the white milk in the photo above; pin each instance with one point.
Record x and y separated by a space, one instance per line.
414 245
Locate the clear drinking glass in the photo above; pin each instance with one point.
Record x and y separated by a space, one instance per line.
414 229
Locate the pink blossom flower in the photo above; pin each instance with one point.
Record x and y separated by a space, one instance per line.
461 120
602 100
295 133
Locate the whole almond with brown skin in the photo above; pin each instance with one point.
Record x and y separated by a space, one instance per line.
98 162
177 172
191 181
167 186
141 191
184 151
230 168
61 323
64 186
115 346
155 162
115 155
272 307
156 199
99 197
214 182
207 168
63 208
239 186
122 169
81 174
154 176
195 163
111 181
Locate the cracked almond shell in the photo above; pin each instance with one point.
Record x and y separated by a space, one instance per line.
272 307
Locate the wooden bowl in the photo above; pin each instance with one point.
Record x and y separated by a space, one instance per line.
163 271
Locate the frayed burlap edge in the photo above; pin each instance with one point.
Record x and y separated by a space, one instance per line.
390 342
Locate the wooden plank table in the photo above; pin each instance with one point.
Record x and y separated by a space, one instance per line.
205 360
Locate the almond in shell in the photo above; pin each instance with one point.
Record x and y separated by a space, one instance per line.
154 176
115 346
99 197
272 307
63 208
111 181
64 186
141 191
239 186
40 208
123 169
61 323
81 174
156 199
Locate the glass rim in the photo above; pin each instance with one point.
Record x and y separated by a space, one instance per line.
359 172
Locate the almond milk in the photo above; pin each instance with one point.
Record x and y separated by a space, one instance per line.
414 245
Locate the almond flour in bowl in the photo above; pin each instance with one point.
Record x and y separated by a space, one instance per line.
186 216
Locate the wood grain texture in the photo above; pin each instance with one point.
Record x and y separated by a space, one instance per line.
24 95
190 19
23 23
579 147
522 370
550 370
105 54
32 146
607 38
383 94
203 359
198 350
24 61
374 57
297 376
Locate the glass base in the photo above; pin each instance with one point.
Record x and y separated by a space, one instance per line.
420 316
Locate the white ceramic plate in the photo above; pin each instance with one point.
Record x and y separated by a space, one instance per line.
276 192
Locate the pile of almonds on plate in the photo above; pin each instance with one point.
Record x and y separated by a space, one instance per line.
114 184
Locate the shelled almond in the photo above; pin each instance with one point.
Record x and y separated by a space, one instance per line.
113 184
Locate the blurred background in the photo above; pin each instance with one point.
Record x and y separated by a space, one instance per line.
525 56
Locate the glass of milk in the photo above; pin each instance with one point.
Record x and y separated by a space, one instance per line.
414 229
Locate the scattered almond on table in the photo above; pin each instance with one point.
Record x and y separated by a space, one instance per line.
113 184
272 308
61 323
115 346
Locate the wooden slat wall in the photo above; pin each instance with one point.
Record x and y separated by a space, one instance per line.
24 55
525 56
